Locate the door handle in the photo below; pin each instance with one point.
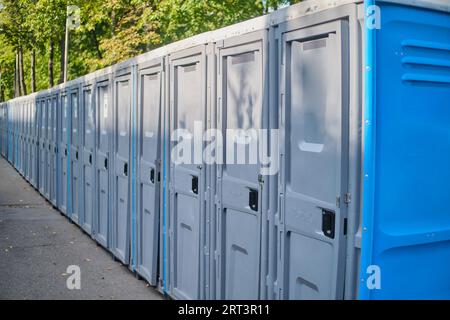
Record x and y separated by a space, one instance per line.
65 152
152 176
125 169
194 184
90 159
76 155
105 163
328 223
253 199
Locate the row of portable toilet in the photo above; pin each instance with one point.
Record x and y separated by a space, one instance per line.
326 105
101 149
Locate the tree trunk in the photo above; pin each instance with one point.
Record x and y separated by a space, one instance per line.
51 56
23 86
62 49
16 77
33 70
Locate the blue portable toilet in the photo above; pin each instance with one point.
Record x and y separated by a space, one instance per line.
406 124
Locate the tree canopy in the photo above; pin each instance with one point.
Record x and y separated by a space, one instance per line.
32 34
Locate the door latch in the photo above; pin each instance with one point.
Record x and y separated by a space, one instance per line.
125 169
195 184
253 199
152 176
328 223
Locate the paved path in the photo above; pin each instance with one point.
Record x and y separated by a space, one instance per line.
37 244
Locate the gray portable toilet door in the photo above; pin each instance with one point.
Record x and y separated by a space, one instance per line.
28 124
240 90
19 146
44 146
48 148
151 91
33 144
64 152
88 160
42 162
314 90
74 157
24 140
187 180
121 218
103 113
53 152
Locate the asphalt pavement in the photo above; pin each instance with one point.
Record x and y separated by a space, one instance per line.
40 250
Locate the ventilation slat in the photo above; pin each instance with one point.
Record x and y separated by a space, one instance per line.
413 77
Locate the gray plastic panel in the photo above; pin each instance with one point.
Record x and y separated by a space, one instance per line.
241 100
63 151
75 155
42 146
122 163
34 147
88 171
53 152
314 183
187 181
25 139
28 140
48 147
151 80
104 114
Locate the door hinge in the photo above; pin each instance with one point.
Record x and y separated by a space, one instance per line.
260 178
348 198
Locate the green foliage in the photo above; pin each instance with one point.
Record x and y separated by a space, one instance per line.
7 62
110 31
178 19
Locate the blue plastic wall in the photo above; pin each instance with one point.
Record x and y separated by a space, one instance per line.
406 214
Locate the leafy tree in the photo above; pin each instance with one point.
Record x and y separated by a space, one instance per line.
47 18
32 33
16 34
7 66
